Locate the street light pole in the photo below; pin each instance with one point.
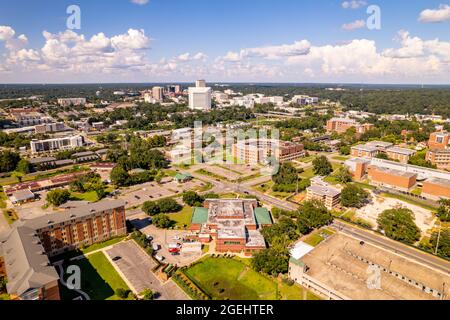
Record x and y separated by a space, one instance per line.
438 238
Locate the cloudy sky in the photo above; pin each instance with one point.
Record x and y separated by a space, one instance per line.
226 40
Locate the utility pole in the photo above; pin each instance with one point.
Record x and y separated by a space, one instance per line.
438 238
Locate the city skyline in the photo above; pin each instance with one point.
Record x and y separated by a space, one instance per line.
284 42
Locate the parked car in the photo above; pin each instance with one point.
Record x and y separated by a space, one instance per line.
116 258
159 258
155 246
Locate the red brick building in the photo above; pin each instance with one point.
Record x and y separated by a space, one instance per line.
392 178
28 246
436 189
233 223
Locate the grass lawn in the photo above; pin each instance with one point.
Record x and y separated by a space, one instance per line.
101 245
340 158
314 239
280 195
228 196
331 180
4 296
306 159
264 187
10 216
231 279
182 218
86 196
308 173
410 201
234 279
99 279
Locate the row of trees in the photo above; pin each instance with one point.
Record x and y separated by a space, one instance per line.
280 235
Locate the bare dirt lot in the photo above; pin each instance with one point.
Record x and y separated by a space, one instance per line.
424 218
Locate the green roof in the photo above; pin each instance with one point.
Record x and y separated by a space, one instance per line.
183 176
262 216
199 216
296 262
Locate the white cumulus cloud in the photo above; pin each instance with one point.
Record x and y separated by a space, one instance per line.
358 24
354 4
441 14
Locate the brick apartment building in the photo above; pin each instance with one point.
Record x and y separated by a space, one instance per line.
27 248
439 150
233 223
254 151
341 125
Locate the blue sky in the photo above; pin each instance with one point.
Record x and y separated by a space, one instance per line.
252 31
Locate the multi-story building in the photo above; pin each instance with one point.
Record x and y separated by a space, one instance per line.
324 193
364 151
30 243
254 151
391 178
440 158
436 189
158 93
234 224
200 98
341 125
439 152
67 102
200 84
65 143
50 128
439 140
30 118
401 155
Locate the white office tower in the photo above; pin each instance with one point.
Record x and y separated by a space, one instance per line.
200 98
200 83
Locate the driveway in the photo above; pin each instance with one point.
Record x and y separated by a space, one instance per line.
4 226
135 265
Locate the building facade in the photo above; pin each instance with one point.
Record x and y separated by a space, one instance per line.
341 125
67 102
65 143
200 98
234 224
29 245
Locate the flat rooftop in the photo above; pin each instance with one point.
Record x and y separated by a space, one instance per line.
324 191
341 263
394 172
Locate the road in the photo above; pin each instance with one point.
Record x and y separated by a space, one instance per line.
397 247
242 188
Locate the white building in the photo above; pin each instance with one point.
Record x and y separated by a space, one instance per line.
56 144
66 102
200 83
200 98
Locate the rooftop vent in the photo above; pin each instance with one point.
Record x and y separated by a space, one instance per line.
50 222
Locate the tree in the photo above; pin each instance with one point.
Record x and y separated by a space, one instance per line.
343 175
287 174
313 214
444 243
122 293
285 228
443 212
271 261
151 208
148 294
162 221
322 166
353 196
193 199
119 176
8 161
345 150
58 197
382 155
169 205
398 224
23 166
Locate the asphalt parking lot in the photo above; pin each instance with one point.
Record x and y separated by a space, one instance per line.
165 237
135 265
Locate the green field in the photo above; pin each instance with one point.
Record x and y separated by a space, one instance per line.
235 280
182 218
99 279
87 196
308 173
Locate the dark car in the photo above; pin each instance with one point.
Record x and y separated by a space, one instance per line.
116 258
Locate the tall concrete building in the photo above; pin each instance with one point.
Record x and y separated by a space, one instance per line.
200 83
200 96
64 143
158 93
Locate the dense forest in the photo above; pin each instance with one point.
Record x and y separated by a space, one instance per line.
394 99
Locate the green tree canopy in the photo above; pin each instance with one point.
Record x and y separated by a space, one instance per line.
398 224
58 197
322 166
353 196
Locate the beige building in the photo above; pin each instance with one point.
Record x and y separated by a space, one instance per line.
324 193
